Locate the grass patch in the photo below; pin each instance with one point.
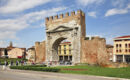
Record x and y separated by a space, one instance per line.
81 69
96 70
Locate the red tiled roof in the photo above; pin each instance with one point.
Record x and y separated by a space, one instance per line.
128 36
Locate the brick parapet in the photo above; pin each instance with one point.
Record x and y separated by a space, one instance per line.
79 13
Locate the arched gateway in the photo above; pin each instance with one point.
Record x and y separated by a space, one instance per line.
68 26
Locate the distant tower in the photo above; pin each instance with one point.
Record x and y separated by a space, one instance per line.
11 44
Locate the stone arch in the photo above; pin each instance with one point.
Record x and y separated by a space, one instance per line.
55 45
57 42
68 27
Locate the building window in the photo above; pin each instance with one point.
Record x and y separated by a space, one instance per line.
129 50
116 45
70 46
64 46
126 50
120 50
120 45
127 39
129 45
117 51
125 45
64 51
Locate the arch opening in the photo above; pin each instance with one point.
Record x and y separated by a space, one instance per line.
62 51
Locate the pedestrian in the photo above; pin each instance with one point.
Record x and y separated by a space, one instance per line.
33 63
50 63
17 63
5 64
25 62
22 62
11 63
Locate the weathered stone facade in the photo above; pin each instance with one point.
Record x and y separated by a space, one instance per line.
59 28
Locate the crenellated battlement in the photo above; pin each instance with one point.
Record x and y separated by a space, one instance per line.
37 43
66 15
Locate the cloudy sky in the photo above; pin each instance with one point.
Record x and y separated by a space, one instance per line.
22 21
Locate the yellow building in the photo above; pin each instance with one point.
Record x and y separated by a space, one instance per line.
121 49
65 51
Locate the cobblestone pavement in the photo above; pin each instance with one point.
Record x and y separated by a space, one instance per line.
34 75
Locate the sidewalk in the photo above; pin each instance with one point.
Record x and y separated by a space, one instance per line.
6 68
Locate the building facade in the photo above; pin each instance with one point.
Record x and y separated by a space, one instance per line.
16 53
110 51
12 52
122 49
65 51
31 54
3 52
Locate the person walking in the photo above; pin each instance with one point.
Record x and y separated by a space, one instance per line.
5 65
25 62
17 63
11 63
22 62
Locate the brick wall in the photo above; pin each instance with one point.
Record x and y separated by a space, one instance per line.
94 51
40 51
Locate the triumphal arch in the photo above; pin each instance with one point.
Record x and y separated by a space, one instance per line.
70 26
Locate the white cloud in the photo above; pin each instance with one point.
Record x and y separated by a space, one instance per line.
128 6
115 11
10 27
92 14
87 2
120 10
7 35
13 6
40 15
3 43
12 24
118 3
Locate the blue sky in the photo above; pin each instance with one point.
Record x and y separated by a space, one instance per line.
22 21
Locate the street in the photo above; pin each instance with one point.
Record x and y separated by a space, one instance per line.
34 75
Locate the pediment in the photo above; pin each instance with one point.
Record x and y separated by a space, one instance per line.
60 29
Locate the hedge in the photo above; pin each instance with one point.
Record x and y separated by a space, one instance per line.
34 66
2 63
2 60
47 69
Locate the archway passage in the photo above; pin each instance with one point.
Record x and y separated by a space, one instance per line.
62 49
